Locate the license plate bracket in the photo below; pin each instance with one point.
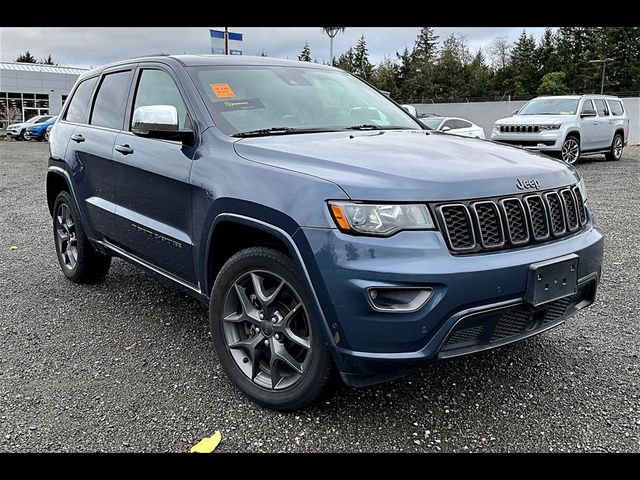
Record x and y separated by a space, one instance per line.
552 279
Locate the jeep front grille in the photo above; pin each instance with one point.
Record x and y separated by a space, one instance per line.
473 226
519 128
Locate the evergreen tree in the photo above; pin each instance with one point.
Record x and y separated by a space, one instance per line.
305 54
524 66
426 46
479 77
576 46
345 61
385 77
406 79
362 67
547 53
449 76
26 57
47 61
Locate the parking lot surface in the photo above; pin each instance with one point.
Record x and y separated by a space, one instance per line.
127 364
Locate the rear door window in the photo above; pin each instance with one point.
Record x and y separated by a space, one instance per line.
616 107
461 124
449 123
79 106
109 106
601 107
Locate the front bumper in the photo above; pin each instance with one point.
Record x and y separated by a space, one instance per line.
550 140
33 135
12 133
374 346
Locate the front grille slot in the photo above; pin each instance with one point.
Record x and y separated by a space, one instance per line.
473 226
458 226
489 224
537 217
582 213
570 209
516 220
556 212
519 128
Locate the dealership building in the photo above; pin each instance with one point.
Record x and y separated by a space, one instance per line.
30 89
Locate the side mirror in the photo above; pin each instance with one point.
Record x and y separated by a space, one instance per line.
410 109
515 112
160 121
445 129
588 113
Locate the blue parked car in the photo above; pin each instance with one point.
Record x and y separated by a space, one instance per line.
325 228
38 131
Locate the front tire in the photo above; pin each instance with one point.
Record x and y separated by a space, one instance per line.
79 261
265 336
570 152
615 153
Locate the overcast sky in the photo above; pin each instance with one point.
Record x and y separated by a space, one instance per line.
91 47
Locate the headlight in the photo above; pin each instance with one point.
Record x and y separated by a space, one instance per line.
583 189
496 128
380 219
549 127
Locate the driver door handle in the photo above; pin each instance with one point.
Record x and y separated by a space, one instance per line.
78 138
124 149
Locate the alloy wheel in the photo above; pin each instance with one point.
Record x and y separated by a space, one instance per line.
617 147
570 151
267 330
66 237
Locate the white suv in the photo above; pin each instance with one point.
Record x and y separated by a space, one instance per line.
568 126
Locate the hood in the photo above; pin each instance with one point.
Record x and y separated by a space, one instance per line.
408 165
534 120
17 125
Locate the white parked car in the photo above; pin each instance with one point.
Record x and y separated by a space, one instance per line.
454 125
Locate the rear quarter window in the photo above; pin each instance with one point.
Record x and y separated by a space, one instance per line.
616 107
79 105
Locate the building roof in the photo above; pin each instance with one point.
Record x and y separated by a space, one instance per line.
37 67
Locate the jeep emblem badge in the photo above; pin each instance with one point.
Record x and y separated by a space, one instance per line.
528 184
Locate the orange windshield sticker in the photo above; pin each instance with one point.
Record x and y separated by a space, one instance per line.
222 90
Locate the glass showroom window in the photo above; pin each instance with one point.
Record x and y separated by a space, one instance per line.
19 107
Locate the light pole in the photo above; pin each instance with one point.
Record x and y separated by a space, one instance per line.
603 61
332 32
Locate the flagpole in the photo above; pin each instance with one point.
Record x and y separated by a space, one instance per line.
226 40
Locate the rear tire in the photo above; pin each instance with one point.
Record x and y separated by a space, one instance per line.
615 152
79 261
266 337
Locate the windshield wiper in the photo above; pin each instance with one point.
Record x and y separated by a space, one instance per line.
262 132
372 126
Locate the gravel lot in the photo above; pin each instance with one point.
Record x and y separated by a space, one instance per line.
67 382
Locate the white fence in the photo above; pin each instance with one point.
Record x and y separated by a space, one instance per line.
486 113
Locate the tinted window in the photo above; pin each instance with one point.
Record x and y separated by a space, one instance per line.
601 108
616 107
461 124
79 106
158 88
108 109
587 105
449 123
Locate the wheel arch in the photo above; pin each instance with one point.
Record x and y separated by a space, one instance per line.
56 182
277 236
573 133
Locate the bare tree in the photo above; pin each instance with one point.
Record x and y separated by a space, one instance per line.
499 52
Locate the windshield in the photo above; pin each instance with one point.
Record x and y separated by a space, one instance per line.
432 122
550 106
256 98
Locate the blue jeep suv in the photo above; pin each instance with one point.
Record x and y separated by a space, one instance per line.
324 227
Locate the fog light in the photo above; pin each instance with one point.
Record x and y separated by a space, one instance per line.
398 299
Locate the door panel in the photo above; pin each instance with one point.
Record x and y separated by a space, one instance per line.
89 156
588 127
153 215
603 133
